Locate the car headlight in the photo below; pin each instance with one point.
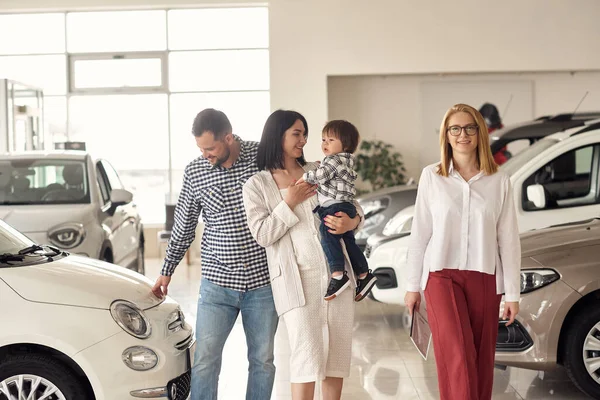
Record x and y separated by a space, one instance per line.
131 319
67 236
139 358
537 278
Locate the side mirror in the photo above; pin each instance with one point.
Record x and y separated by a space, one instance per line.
119 197
536 194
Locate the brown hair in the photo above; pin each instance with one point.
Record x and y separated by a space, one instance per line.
485 159
345 131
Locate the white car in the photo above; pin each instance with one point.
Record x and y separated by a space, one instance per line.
73 202
74 328
555 181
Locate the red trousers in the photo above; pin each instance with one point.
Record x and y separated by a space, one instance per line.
462 310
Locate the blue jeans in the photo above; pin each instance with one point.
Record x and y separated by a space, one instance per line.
331 243
218 308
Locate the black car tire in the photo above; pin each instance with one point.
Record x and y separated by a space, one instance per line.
45 367
580 327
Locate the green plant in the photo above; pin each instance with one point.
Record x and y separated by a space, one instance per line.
378 164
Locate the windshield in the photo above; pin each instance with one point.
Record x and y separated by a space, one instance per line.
43 181
11 240
521 158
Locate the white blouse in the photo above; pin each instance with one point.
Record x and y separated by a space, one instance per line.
469 226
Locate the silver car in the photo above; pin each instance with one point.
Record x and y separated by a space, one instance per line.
76 203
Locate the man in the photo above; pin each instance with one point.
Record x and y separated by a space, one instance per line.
235 276
494 122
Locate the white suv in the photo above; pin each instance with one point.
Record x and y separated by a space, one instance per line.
69 200
555 181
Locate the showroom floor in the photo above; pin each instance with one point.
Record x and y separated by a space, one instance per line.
384 362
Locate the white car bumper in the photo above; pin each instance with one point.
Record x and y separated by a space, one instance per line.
388 262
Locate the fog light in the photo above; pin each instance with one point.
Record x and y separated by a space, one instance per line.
140 358
513 337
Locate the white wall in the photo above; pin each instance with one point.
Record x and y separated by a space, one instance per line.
406 110
314 39
73 5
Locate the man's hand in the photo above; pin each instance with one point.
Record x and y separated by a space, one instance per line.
511 309
412 300
161 287
341 223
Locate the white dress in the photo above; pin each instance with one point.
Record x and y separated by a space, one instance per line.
320 333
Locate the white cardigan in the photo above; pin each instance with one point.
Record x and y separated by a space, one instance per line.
269 219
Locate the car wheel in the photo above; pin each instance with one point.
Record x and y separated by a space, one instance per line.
582 352
36 377
140 264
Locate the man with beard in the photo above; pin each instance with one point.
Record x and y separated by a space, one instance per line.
235 277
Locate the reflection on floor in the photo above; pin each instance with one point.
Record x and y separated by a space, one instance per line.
384 362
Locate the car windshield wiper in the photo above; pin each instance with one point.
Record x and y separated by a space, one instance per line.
30 249
7 257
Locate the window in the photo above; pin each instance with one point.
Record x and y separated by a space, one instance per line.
102 184
46 72
92 32
569 180
219 28
45 181
117 72
129 83
112 176
32 33
225 70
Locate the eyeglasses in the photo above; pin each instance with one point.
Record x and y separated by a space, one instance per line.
470 130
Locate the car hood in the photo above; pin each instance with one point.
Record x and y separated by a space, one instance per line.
563 237
40 218
80 281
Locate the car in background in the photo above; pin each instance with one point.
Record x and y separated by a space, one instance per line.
555 181
559 318
71 201
527 133
75 328
382 205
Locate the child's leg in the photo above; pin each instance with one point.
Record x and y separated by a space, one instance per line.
333 251
360 266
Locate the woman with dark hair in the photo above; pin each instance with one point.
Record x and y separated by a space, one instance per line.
281 219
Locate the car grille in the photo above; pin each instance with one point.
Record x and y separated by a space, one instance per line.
368 250
179 388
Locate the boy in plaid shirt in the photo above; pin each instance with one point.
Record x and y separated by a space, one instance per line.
335 179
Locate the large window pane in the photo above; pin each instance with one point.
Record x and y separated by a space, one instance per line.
55 119
219 28
46 72
246 111
32 33
219 70
91 32
117 73
131 132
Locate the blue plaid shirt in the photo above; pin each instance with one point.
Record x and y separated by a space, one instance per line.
231 258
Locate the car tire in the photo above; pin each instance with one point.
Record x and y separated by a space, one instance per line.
584 326
32 367
139 262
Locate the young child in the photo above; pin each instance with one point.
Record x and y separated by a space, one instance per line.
335 179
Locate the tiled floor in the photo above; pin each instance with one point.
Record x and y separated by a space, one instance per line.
384 362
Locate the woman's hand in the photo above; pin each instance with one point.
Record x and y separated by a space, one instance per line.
412 300
341 223
296 194
511 309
